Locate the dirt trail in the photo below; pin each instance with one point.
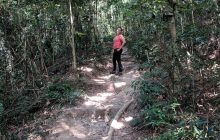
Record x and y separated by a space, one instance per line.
91 120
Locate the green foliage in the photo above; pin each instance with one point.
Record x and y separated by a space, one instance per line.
149 87
186 131
99 48
182 71
107 38
139 52
61 93
34 46
35 42
182 133
24 107
161 114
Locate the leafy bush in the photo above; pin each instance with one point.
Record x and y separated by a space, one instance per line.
194 130
156 111
107 38
61 93
100 49
92 55
161 114
139 50
181 133
27 103
149 87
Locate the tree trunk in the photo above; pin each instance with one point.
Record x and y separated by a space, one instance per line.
72 43
172 27
96 32
92 26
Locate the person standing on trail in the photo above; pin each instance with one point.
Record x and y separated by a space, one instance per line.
118 44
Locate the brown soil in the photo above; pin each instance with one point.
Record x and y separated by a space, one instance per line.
91 119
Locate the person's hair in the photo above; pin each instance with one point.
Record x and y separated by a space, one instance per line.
120 28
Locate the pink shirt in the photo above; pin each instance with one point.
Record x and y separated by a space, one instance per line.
117 41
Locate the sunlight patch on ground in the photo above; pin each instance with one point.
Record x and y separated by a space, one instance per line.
104 138
107 77
57 130
85 69
99 81
137 75
130 72
77 134
91 103
73 131
117 125
110 87
119 84
97 100
128 119
105 94
64 127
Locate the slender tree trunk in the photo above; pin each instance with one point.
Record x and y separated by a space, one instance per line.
72 35
96 13
192 51
40 46
25 59
92 24
172 27
96 31
175 58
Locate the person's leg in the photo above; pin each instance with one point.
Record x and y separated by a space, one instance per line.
120 67
114 59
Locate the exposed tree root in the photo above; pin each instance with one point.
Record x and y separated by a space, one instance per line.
117 116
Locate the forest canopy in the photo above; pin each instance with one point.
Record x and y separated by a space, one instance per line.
176 44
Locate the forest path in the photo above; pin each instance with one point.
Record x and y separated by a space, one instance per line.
91 119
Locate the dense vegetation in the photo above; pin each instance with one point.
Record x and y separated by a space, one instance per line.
175 42
38 40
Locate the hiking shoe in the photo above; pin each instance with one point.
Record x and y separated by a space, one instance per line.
112 72
119 73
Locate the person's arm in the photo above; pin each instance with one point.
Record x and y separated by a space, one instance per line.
123 42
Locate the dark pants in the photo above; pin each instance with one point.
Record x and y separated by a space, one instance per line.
117 57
